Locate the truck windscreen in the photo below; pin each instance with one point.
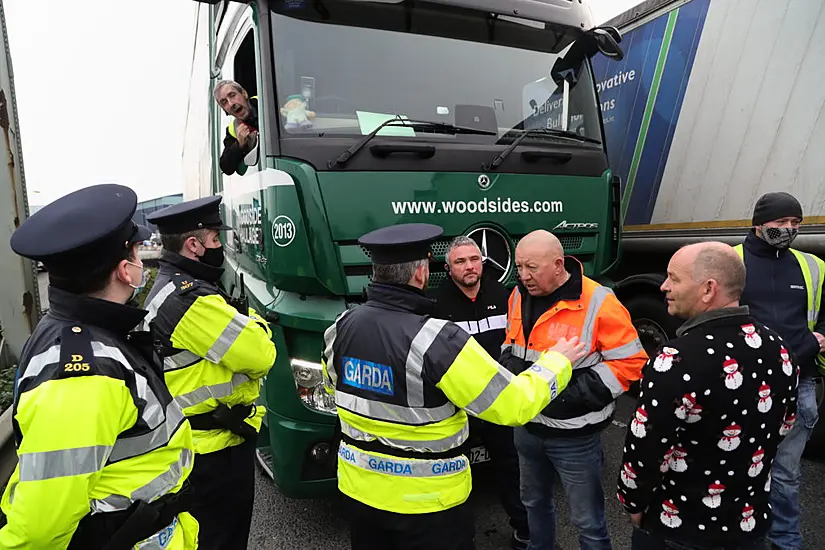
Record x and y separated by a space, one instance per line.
342 73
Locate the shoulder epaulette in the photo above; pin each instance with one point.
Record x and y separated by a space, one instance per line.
184 283
77 357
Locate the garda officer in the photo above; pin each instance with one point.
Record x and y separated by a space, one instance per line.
214 357
403 384
104 452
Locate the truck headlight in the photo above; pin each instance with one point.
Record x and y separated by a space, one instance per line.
309 381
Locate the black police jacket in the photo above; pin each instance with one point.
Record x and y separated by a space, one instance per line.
485 317
776 295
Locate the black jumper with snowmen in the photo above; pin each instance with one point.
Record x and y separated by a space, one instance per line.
714 404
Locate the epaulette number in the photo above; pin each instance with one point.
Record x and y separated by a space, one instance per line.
76 364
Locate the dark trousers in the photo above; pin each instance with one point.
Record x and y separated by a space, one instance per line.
373 529
224 488
504 459
644 540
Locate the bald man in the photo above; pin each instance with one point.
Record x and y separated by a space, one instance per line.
714 405
554 299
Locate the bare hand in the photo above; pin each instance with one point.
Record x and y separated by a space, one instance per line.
636 519
572 349
243 133
821 339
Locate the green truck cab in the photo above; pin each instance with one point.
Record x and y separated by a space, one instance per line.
478 115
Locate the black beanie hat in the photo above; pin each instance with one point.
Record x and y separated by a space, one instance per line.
774 206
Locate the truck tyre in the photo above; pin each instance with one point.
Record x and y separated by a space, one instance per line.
815 448
653 323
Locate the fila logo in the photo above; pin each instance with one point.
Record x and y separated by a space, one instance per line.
491 307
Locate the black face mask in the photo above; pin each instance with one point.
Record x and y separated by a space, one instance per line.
212 256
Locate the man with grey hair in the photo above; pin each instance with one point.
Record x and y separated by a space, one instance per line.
477 302
242 133
715 403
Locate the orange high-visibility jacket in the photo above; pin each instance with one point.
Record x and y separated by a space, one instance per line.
615 355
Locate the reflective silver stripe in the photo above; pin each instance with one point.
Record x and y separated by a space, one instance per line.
217 391
622 352
403 467
495 386
520 351
227 338
609 379
180 360
152 411
496 322
160 540
158 437
150 492
63 463
40 361
588 361
546 374
423 446
415 360
589 325
329 353
393 413
155 304
578 422
511 314
813 267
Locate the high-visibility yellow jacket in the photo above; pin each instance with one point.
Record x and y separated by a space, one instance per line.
96 431
212 353
403 385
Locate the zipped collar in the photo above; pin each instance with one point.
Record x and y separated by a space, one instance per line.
194 268
759 247
401 297
112 316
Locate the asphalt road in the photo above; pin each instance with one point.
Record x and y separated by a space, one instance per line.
281 523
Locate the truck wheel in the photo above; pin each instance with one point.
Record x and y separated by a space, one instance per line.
816 444
653 323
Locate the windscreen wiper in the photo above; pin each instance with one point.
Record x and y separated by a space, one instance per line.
416 125
533 132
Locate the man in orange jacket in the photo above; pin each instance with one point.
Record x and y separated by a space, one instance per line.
553 299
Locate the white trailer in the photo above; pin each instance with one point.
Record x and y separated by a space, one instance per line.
715 103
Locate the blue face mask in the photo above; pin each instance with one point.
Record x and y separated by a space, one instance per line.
142 284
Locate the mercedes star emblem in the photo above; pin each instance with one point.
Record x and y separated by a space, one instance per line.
495 251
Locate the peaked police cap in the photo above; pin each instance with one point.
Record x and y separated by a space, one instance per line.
188 216
398 244
83 230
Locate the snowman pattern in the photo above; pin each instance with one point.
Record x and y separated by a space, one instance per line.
748 521
688 403
670 514
628 476
765 402
756 467
714 496
730 438
787 425
664 360
787 366
752 337
677 459
637 427
695 414
733 378
666 461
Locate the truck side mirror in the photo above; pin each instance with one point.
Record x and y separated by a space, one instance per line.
607 40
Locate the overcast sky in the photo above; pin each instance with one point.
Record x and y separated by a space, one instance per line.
101 91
